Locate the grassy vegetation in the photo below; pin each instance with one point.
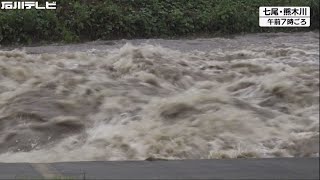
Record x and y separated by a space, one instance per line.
81 20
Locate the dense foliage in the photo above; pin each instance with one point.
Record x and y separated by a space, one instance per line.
79 20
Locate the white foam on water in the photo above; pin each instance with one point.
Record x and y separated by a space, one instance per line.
142 101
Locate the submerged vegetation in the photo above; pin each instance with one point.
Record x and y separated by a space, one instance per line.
81 20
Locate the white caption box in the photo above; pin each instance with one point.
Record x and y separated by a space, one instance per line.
273 16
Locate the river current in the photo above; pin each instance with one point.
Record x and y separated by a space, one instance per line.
234 97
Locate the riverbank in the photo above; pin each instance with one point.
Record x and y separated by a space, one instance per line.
79 21
275 168
189 43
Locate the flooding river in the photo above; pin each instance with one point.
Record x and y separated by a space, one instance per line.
240 97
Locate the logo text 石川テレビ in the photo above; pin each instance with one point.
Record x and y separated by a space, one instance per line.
27 5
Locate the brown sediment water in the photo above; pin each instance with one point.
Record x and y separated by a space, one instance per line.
241 97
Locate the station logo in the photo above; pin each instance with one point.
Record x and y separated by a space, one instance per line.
11 5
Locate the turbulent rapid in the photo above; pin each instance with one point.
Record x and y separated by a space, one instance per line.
241 97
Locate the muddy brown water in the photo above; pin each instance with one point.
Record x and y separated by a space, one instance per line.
247 96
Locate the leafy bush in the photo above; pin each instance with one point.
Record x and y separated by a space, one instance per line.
80 20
